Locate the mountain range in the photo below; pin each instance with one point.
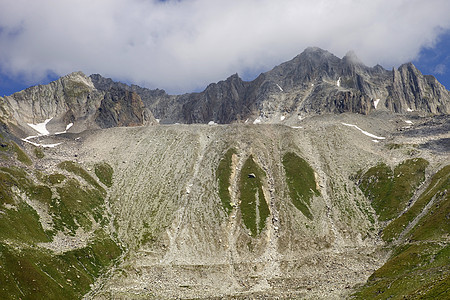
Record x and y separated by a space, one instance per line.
320 179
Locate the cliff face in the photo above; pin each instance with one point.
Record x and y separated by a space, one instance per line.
122 108
314 82
411 91
74 99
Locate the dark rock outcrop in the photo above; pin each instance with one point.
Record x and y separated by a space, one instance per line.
122 108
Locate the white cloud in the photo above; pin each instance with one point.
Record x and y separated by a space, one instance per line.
440 69
184 45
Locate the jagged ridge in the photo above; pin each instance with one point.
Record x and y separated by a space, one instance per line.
314 82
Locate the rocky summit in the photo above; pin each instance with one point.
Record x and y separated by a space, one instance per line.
320 179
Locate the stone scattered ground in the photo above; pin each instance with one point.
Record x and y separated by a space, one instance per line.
181 243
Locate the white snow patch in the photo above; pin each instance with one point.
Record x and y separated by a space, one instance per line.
212 123
157 120
65 131
338 82
300 118
246 121
365 132
375 103
409 109
41 145
282 118
257 121
408 122
375 141
296 127
279 87
41 127
312 84
68 126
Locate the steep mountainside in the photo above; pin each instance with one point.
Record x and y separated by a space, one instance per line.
325 192
314 82
72 99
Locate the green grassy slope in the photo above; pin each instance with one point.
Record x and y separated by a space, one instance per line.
223 174
419 266
28 270
253 204
301 182
389 190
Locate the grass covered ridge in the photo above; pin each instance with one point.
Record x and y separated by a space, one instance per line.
419 268
390 190
253 204
9 150
439 184
223 175
76 169
29 271
301 182
33 273
104 173
415 271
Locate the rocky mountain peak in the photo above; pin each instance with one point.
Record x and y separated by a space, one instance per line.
316 52
73 101
351 58
78 78
315 57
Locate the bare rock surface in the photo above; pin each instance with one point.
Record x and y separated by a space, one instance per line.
181 243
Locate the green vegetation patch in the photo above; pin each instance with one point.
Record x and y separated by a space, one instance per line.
6 182
440 183
12 177
41 193
301 182
223 175
76 169
389 191
392 146
19 221
73 208
104 173
37 274
435 224
418 269
22 223
38 153
253 204
78 204
21 155
55 178
415 271
28 271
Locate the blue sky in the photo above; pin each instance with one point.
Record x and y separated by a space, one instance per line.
436 60
182 45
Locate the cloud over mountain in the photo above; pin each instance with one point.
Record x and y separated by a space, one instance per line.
183 45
